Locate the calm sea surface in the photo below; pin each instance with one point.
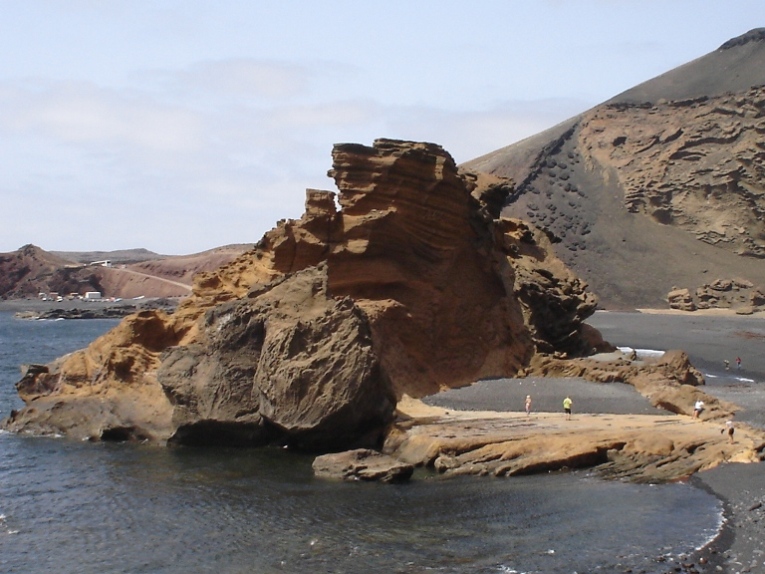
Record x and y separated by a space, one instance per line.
71 507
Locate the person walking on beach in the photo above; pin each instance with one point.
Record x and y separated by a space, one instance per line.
567 402
528 405
738 362
697 408
730 428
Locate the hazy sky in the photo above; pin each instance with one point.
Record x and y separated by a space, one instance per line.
183 125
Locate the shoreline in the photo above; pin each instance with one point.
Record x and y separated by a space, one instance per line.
81 309
739 545
714 312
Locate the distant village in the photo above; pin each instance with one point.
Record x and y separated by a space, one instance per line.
90 296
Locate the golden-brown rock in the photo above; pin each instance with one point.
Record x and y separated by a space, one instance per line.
641 448
415 284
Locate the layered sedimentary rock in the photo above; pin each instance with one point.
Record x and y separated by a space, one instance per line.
640 448
414 284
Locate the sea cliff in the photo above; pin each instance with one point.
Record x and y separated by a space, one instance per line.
406 282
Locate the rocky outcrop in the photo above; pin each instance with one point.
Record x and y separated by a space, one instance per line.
413 285
681 299
293 364
639 448
362 464
102 310
738 295
695 164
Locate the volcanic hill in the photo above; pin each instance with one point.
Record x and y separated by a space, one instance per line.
660 189
31 270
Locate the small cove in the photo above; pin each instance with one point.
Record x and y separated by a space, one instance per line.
82 507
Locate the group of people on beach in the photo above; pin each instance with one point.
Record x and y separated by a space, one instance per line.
727 363
567 404
698 408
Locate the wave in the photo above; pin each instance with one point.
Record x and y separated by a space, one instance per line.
642 353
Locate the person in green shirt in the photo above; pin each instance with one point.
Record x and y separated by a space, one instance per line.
567 402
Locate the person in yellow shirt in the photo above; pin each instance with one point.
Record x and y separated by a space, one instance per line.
567 402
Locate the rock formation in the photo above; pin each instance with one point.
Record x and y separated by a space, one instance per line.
413 285
657 187
362 464
640 448
695 164
738 295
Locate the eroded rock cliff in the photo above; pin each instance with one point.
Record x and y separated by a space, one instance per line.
659 187
410 283
697 164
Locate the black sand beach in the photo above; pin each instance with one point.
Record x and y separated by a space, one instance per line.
709 340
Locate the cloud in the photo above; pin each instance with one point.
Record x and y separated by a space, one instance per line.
81 113
467 134
241 79
183 169
247 78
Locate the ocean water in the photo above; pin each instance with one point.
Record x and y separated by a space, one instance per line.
73 507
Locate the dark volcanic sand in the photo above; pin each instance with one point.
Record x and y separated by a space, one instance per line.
708 340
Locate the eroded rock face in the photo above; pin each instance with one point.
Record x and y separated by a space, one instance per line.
415 284
662 181
696 164
293 363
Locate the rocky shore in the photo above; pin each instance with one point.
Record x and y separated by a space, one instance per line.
328 333
740 545
36 309
614 408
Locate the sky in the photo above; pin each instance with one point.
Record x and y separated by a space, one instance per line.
184 125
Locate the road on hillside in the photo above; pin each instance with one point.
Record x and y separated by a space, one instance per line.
176 283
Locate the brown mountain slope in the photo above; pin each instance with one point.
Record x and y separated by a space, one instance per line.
31 270
662 186
119 256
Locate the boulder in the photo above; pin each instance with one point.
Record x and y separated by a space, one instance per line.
681 299
362 464
293 363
